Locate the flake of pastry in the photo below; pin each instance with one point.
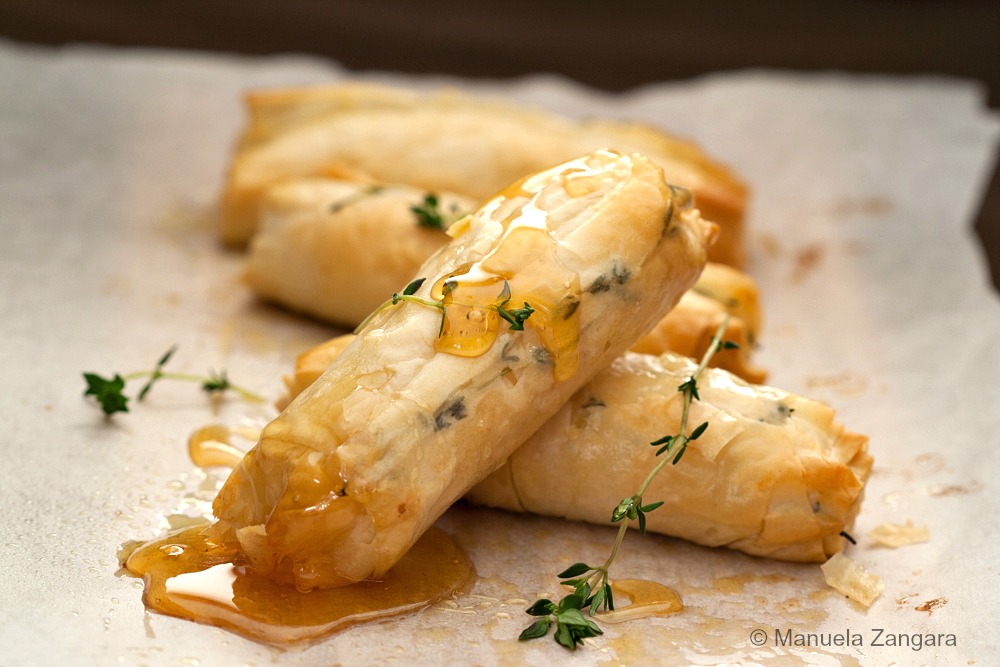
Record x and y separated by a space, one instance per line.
894 535
849 578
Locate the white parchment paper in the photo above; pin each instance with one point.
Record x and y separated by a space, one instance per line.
876 299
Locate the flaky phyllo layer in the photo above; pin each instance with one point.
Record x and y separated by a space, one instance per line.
773 475
445 142
420 407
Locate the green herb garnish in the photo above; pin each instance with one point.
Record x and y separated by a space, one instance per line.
590 584
430 215
156 373
110 392
572 627
515 318
107 392
218 383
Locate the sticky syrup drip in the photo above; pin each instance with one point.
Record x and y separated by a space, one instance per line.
210 446
524 267
648 598
190 576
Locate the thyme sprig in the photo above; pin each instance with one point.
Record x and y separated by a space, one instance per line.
514 317
109 393
429 214
591 585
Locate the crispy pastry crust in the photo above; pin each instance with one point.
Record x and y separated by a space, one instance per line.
774 475
688 329
337 249
445 142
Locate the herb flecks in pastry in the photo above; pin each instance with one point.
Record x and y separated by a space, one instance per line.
338 262
787 488
429 214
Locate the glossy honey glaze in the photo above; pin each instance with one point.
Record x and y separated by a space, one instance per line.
524 268
210 445
190 576
646 598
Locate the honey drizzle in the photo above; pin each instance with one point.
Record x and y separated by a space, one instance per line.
210 446
523 268
648 598
190 576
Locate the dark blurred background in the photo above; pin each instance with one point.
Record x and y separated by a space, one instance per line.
614 45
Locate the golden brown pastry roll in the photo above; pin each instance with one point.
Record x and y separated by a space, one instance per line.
336 249
277 110
419 407
445 142
774 475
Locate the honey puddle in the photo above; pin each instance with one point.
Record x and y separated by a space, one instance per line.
648 598
188 576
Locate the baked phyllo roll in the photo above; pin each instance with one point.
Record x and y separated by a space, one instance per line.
440 386
445 142
335 249
773 475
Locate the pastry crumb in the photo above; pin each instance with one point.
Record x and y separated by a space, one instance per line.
849 578
894 535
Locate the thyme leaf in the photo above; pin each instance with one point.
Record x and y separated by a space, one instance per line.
156 373
360 194
107 392
515 317
216 382
574 570
413 286
428 213
571 626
